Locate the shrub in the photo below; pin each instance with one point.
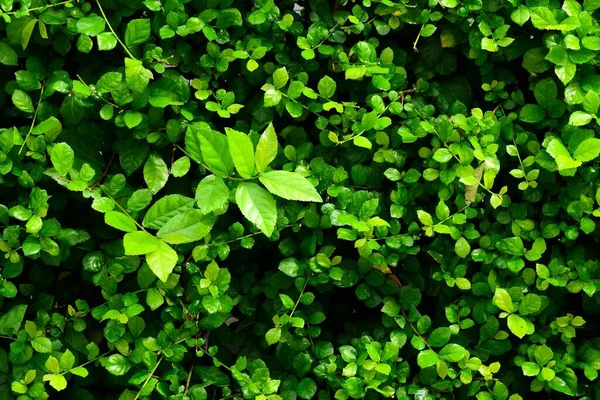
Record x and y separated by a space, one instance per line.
209 199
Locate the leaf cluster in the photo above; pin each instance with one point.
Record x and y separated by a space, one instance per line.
299 199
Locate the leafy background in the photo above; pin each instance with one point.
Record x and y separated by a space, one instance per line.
299 199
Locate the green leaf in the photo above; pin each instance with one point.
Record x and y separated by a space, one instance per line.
543 355
591 102
462 247
67 360
326 87
120 221
42 344
503 301
561 155
439 337
52 365
91 25
579 118
266 150
290 186
565 72
137 32
587 150
427 358
140 242
354 73
162 261
58 382
272 97
8 56
80 371
280 78
565 382
512 245
133 154
530 368
132 119
442 155
530 304
27 32
448 3
242 152
307 388
257 205
211 194
106 41
117 365
542 18
452 352
186 227
532 113
213 147
520 15
156 173
517 325
229 17
165 209
181 167
10 322
22 101
62 157
273 335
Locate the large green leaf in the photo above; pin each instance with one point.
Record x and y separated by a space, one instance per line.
587 150
162 260
561 155
517 325
133 155
452 352
503 301
137 32
266 150
156 173
120 221
165 209
62 157
213 148
187 227
290 186
257 205
242 152
8 56
211 194
140 242
91 25
11 321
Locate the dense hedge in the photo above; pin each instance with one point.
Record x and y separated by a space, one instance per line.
288 199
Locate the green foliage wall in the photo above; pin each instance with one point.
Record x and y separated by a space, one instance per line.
281 199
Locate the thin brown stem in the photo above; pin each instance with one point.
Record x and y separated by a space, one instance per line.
189 379
104 173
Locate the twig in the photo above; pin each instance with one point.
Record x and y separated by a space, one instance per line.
149 377
96 93
189 379
43 7
104 173
34 117
394 278
114 33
